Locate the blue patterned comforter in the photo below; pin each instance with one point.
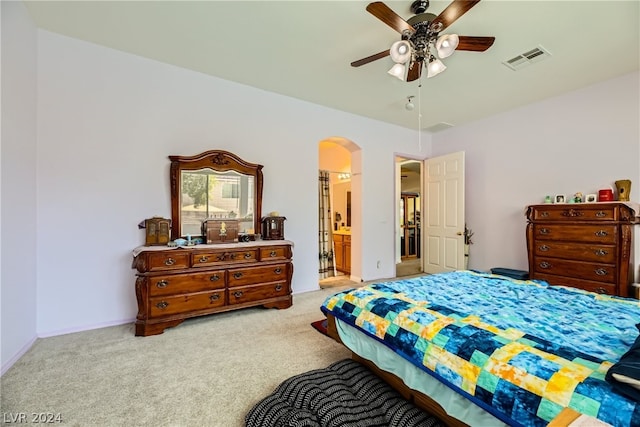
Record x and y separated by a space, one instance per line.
522 350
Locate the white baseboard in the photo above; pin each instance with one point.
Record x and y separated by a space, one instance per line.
18 355
47 334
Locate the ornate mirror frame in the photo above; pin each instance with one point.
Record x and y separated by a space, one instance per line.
217 161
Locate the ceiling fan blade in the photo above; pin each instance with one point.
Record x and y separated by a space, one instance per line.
389 17
476 44
455 10
371 58
414 71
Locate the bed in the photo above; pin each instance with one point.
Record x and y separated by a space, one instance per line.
486 350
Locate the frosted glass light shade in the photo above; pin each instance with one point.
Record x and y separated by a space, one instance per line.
447 44
435 67
400 52
398 70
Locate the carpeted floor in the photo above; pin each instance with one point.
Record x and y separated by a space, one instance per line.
409 267
337 282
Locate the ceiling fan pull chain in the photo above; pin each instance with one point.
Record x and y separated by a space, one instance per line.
420 114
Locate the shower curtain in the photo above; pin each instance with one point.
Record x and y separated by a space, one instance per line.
325 237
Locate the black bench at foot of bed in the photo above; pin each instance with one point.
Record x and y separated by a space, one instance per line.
345 393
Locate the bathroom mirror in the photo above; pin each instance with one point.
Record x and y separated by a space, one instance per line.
215 184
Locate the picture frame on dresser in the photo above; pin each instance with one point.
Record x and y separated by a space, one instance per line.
559 198
590 198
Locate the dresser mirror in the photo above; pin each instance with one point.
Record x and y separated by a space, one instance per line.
215 184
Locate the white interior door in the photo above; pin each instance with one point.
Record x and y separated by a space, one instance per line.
444 222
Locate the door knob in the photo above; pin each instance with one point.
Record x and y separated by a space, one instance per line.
459 233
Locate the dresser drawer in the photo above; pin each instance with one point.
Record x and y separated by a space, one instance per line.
243 294
167 260
166 305
580 270
587 285
222 257
275 253
186 283
582 213
577 233
250 275
576 251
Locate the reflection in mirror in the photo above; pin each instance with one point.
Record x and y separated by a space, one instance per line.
207 194
215 184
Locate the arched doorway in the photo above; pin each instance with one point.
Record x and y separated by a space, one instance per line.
339 229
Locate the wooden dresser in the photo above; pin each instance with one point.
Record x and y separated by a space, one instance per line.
174 284
586 245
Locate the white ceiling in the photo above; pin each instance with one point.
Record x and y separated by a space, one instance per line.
303 49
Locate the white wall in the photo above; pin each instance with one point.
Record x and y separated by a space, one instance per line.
18 182
581 141
107 122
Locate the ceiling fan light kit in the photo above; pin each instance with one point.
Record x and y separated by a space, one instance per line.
447 44
420 38
400 52
398 70
435 67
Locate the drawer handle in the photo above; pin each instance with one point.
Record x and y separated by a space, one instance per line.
601 271
545 264
544 231
162 305
601 290
544 214
203 258
272 253
278 287
601 233
278 270
600 252
237 275
238 294
169 261
601 214
214 278
214 297
247 255
544 248
572 213
162 284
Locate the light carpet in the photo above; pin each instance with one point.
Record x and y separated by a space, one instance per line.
208 371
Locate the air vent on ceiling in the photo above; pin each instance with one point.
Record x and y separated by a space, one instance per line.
534 55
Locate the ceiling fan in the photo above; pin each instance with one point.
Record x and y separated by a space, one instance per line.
421 38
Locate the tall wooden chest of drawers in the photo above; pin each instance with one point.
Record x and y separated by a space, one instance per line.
585 245
174 284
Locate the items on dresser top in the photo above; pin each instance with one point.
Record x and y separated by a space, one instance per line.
220 230
586 246
173 284
273 227
157 230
